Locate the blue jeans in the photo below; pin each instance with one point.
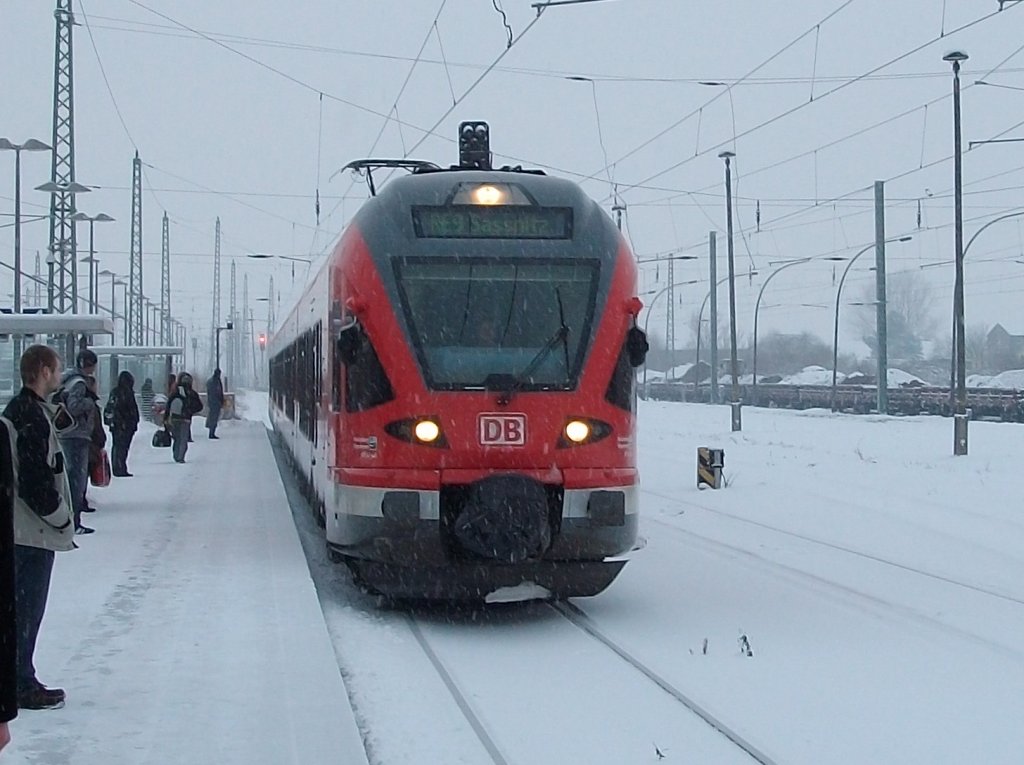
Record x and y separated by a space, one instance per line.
32 567
76 457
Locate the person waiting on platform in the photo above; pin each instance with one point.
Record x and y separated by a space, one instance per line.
43 521
122 417
77 394
214 402
181 406
8 619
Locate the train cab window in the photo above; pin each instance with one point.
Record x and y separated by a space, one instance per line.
474 321
366 383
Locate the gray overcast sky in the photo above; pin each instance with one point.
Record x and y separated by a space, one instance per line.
205 117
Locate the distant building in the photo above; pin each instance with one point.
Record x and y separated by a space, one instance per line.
1004 351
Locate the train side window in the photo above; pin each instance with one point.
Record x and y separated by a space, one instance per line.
336 374
366 383
621 388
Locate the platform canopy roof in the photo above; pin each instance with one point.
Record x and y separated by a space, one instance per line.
55 324
138 350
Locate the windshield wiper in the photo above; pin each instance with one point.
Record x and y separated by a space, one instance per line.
561 335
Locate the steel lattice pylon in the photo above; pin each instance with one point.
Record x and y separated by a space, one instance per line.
216 295
62 294
165 283
135 317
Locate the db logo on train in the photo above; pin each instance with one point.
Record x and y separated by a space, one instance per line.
499 429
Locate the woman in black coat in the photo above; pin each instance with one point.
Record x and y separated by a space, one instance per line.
122 415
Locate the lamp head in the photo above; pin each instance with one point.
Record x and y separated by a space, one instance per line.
726 155
955 56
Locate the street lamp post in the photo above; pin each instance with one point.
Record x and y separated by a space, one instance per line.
113 281
960 417
293 258
91 260
700 323
31 144
757 305
650 310
757 309
967 248
735 404
835 329
228 327
122 282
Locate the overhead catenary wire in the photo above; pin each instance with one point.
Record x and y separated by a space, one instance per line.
802 105
394 108
138 27
751 72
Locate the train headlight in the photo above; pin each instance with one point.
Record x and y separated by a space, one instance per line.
488 195
577 431
426 431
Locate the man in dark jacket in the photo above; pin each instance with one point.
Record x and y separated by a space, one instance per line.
42 512
8 620
80 401
180 408
122 415
214 402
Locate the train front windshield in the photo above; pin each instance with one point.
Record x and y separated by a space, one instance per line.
481 324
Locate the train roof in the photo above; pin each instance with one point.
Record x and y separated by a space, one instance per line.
436 186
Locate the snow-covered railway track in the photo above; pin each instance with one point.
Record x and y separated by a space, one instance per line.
848 550
522 669
580 619
463 703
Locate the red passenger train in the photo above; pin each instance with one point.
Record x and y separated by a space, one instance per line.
456 386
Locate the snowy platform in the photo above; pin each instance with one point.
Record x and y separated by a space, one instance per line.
187 628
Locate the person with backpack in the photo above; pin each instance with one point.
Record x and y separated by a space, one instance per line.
214 402
43 516
181 406
121 415
77 395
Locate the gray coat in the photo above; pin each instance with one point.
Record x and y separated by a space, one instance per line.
42 504
81 405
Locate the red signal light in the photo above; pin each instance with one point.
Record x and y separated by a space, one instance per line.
263 340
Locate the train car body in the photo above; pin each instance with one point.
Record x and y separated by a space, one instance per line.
456 389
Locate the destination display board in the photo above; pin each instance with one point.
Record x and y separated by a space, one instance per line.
492 222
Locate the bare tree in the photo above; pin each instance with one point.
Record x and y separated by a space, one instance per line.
909 318
977 348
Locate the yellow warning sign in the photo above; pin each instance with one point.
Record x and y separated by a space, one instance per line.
709 467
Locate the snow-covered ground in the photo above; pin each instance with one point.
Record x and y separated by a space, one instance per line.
875 578
186 630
